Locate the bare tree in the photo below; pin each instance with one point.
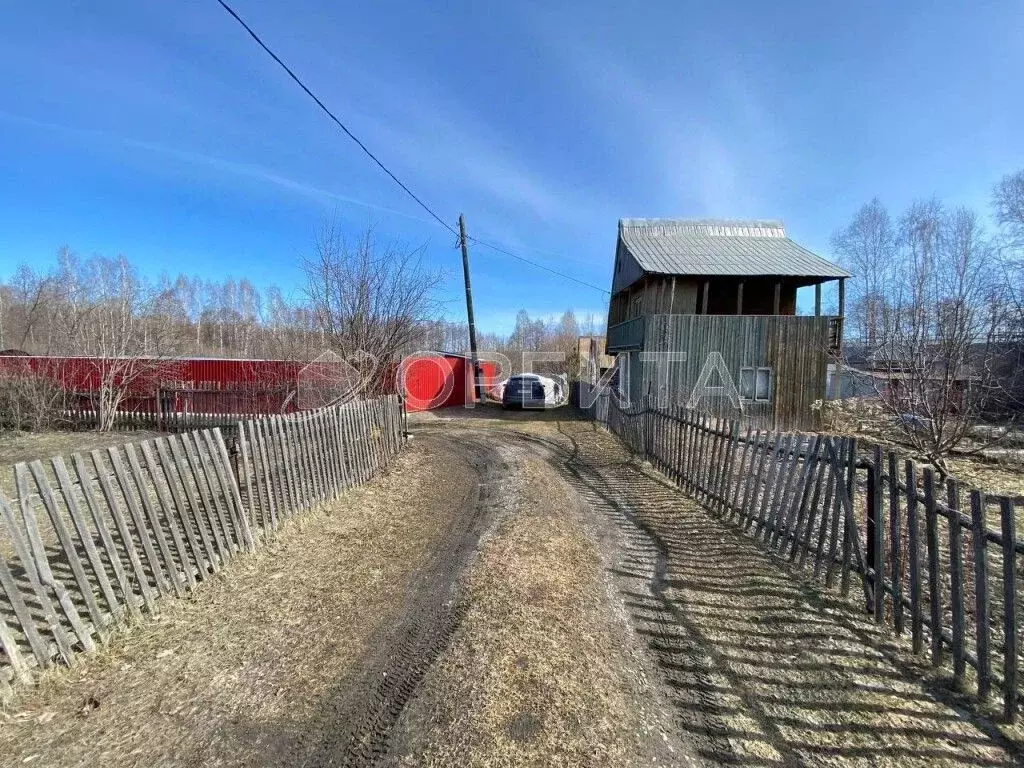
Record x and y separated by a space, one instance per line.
938 349
866 247
368 298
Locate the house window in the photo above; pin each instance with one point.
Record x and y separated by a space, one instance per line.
756 384
763 385
746 383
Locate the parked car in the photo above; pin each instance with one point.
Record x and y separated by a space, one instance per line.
526 390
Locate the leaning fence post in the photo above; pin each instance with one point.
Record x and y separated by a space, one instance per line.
981 602
931 527
1006 513
956 580
875 531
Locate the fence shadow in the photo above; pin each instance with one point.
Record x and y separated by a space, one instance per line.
764 668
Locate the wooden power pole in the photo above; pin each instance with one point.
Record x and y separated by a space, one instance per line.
478 388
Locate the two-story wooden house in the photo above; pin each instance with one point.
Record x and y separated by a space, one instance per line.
709 307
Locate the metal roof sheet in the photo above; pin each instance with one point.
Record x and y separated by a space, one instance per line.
720 247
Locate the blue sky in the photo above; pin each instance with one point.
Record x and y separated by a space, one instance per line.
160 131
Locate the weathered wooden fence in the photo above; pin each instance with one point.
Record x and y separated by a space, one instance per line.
101 537
937 560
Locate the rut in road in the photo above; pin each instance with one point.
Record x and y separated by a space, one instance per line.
406 649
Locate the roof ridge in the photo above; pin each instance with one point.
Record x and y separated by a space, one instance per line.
710 227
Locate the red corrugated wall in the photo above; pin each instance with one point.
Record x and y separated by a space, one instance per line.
83 373
439 381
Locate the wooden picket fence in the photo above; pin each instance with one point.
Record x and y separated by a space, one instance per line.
102 537
923 555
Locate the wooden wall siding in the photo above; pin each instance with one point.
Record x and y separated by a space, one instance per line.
794 347
937 562
104 535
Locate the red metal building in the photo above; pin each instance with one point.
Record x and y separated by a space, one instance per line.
442 380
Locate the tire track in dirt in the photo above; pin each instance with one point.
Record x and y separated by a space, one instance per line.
645 560
408 647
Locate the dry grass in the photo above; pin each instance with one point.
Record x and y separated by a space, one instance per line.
18 446
250 671
540 672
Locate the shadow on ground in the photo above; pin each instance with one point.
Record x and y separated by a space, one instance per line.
764 668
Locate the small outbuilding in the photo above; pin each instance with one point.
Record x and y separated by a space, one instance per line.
442 379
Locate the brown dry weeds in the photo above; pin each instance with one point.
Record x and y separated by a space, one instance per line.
249 670
16 446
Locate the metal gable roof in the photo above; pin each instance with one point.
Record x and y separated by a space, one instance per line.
716 247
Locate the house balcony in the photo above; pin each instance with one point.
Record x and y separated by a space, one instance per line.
623 337
629 335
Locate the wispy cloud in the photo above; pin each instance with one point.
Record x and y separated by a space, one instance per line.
250 171
705 147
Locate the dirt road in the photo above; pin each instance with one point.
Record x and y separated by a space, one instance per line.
515 591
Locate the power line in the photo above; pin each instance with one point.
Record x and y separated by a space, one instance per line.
383 167
532 263
331 115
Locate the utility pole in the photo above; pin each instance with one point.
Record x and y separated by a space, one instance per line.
478 388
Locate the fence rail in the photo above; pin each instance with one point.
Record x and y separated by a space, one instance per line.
927 555
107 534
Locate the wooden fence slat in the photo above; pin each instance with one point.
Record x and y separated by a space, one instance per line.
297 480
818 471
956 580
834 512
302 460
337 418
321 451
914 559
221 464
99 520
981 600
154 521
730 461
691 451
337 451
677 455
323 454
124 530
297 475
176 487
735 508
42 564
28 624
876 533
753 477
1009 526
218 549
797 507
161 468
370 447
787 510
172 456
208 491
247 479
67 544
277 482
304 435
230 484
21 549
67 490
895 543
268 476
771 482
775 499
851 540
149 466
931 523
